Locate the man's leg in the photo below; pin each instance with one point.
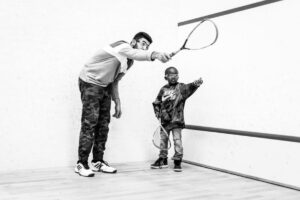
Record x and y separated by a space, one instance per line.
101 134
90 113
89 119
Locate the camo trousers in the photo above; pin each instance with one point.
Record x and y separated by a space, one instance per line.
96 103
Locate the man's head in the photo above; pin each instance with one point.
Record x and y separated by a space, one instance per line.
171 75
141 40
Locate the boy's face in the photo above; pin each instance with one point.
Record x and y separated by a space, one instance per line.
172 78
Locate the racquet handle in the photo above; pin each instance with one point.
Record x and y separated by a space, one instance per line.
174 53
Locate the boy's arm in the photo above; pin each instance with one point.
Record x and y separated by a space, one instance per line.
157 104
198 82
190 88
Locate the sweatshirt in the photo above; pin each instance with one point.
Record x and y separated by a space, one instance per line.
111 62
169 104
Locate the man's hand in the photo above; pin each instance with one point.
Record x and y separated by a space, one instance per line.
198 82
162 57
118 111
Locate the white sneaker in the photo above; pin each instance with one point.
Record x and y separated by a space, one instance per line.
102 167
83 170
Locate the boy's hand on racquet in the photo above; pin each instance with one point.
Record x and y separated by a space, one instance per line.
157 115
198 82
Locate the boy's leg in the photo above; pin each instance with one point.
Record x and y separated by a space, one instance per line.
162 161
178 148
164 144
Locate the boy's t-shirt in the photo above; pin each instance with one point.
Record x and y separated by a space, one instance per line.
169 104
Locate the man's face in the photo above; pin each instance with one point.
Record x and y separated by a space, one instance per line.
142 43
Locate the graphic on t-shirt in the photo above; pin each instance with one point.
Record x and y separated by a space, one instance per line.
168 95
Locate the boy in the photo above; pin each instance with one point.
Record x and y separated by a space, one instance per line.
168 108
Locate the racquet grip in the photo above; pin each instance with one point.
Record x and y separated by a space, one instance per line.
174 53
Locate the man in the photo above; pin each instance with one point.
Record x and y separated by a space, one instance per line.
98 84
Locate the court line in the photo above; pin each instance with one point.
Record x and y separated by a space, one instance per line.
287 138
227 12
243 175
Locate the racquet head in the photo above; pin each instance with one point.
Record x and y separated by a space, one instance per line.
203 35
161 138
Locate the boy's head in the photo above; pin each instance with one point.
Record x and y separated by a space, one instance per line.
141 40
171 75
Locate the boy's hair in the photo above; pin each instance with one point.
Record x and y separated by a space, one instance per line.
171 70
140 35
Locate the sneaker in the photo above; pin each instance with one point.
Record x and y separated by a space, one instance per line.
177 166
102 166
160 163
84 170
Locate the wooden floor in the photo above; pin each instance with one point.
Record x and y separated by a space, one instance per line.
136 181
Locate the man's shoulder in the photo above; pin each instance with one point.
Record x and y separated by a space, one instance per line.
118 43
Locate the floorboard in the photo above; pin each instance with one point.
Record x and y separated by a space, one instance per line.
136 181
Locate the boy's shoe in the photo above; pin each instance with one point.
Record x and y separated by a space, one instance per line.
83 170
177 166
160 163
102 166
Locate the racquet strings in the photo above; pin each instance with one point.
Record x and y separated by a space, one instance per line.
159 136
202 36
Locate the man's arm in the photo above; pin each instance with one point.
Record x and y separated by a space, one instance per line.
142 55
116 99
162 57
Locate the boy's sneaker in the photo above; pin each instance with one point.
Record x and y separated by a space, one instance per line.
160 163
177 166
84 170
102 166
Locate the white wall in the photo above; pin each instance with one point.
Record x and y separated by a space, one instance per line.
250 83
44 44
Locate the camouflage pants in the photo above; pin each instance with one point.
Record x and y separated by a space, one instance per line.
177 142
96 103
